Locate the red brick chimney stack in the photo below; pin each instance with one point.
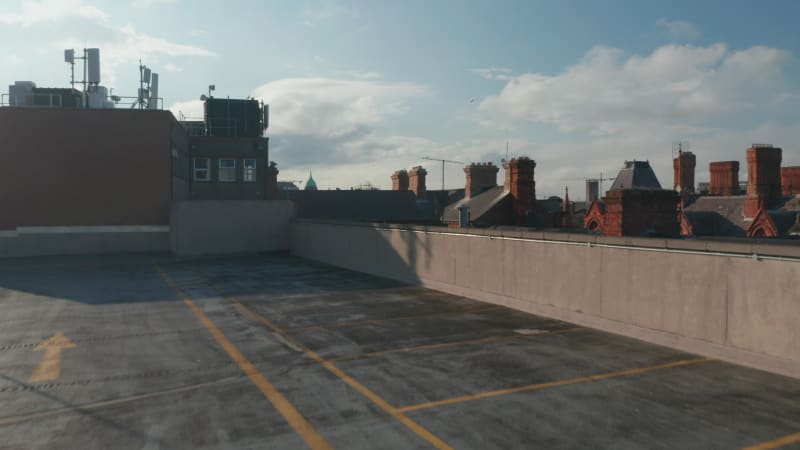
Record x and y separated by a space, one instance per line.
416 180
683 167
480 176
763 178
400 180
790 180
724 178
521 185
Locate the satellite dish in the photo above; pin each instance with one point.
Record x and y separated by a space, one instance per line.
203 97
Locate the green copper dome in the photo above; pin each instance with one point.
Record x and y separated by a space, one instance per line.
311 185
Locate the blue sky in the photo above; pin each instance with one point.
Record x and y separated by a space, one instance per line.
360 89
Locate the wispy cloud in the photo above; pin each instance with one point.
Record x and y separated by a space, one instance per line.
38 12
327 12
493 73
679 29
149 3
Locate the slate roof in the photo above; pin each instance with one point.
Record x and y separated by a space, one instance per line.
479 204
636 175
717 216
372 206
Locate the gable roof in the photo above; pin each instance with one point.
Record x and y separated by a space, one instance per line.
479 204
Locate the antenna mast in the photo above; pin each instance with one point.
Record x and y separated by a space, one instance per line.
442 161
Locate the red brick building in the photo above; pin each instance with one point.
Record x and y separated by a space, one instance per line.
790 180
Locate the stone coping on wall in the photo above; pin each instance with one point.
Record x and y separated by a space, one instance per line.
777 248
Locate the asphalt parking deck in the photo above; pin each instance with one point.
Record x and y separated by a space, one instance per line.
280 352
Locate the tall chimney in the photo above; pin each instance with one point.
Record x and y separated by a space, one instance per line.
521 185
416 180
480 176
400 180
683 167
763 178
724 178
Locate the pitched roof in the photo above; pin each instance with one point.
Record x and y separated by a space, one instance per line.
636 175
717 216
479 204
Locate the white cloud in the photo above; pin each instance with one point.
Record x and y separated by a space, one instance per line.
609 92
37 12
493 73
679 29
333 108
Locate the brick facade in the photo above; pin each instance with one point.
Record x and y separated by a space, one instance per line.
416 181
480 176
724 178
790 180
683 168
520 183
400 180
763 178
635 212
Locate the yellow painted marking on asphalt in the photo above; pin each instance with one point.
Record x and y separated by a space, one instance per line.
307 432
390 319
534 387
453 344
375 398
50 365
777 443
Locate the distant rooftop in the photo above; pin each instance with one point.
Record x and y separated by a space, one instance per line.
636 175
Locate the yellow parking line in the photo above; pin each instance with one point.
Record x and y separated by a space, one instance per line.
375 398
452 344
534 387
300 425
390 319
780 442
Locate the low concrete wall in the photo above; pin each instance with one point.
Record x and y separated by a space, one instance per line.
708 297
47 241
217 227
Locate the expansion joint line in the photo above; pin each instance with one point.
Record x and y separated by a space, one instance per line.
301 426
342 375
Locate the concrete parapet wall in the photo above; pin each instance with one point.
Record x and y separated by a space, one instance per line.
219 227
736 301
48 241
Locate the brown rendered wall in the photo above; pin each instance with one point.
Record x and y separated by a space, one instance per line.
790 180
72 167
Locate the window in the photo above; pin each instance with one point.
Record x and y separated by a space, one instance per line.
201 169
227 170
249 170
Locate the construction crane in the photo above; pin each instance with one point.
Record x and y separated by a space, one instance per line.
442 161
599 180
